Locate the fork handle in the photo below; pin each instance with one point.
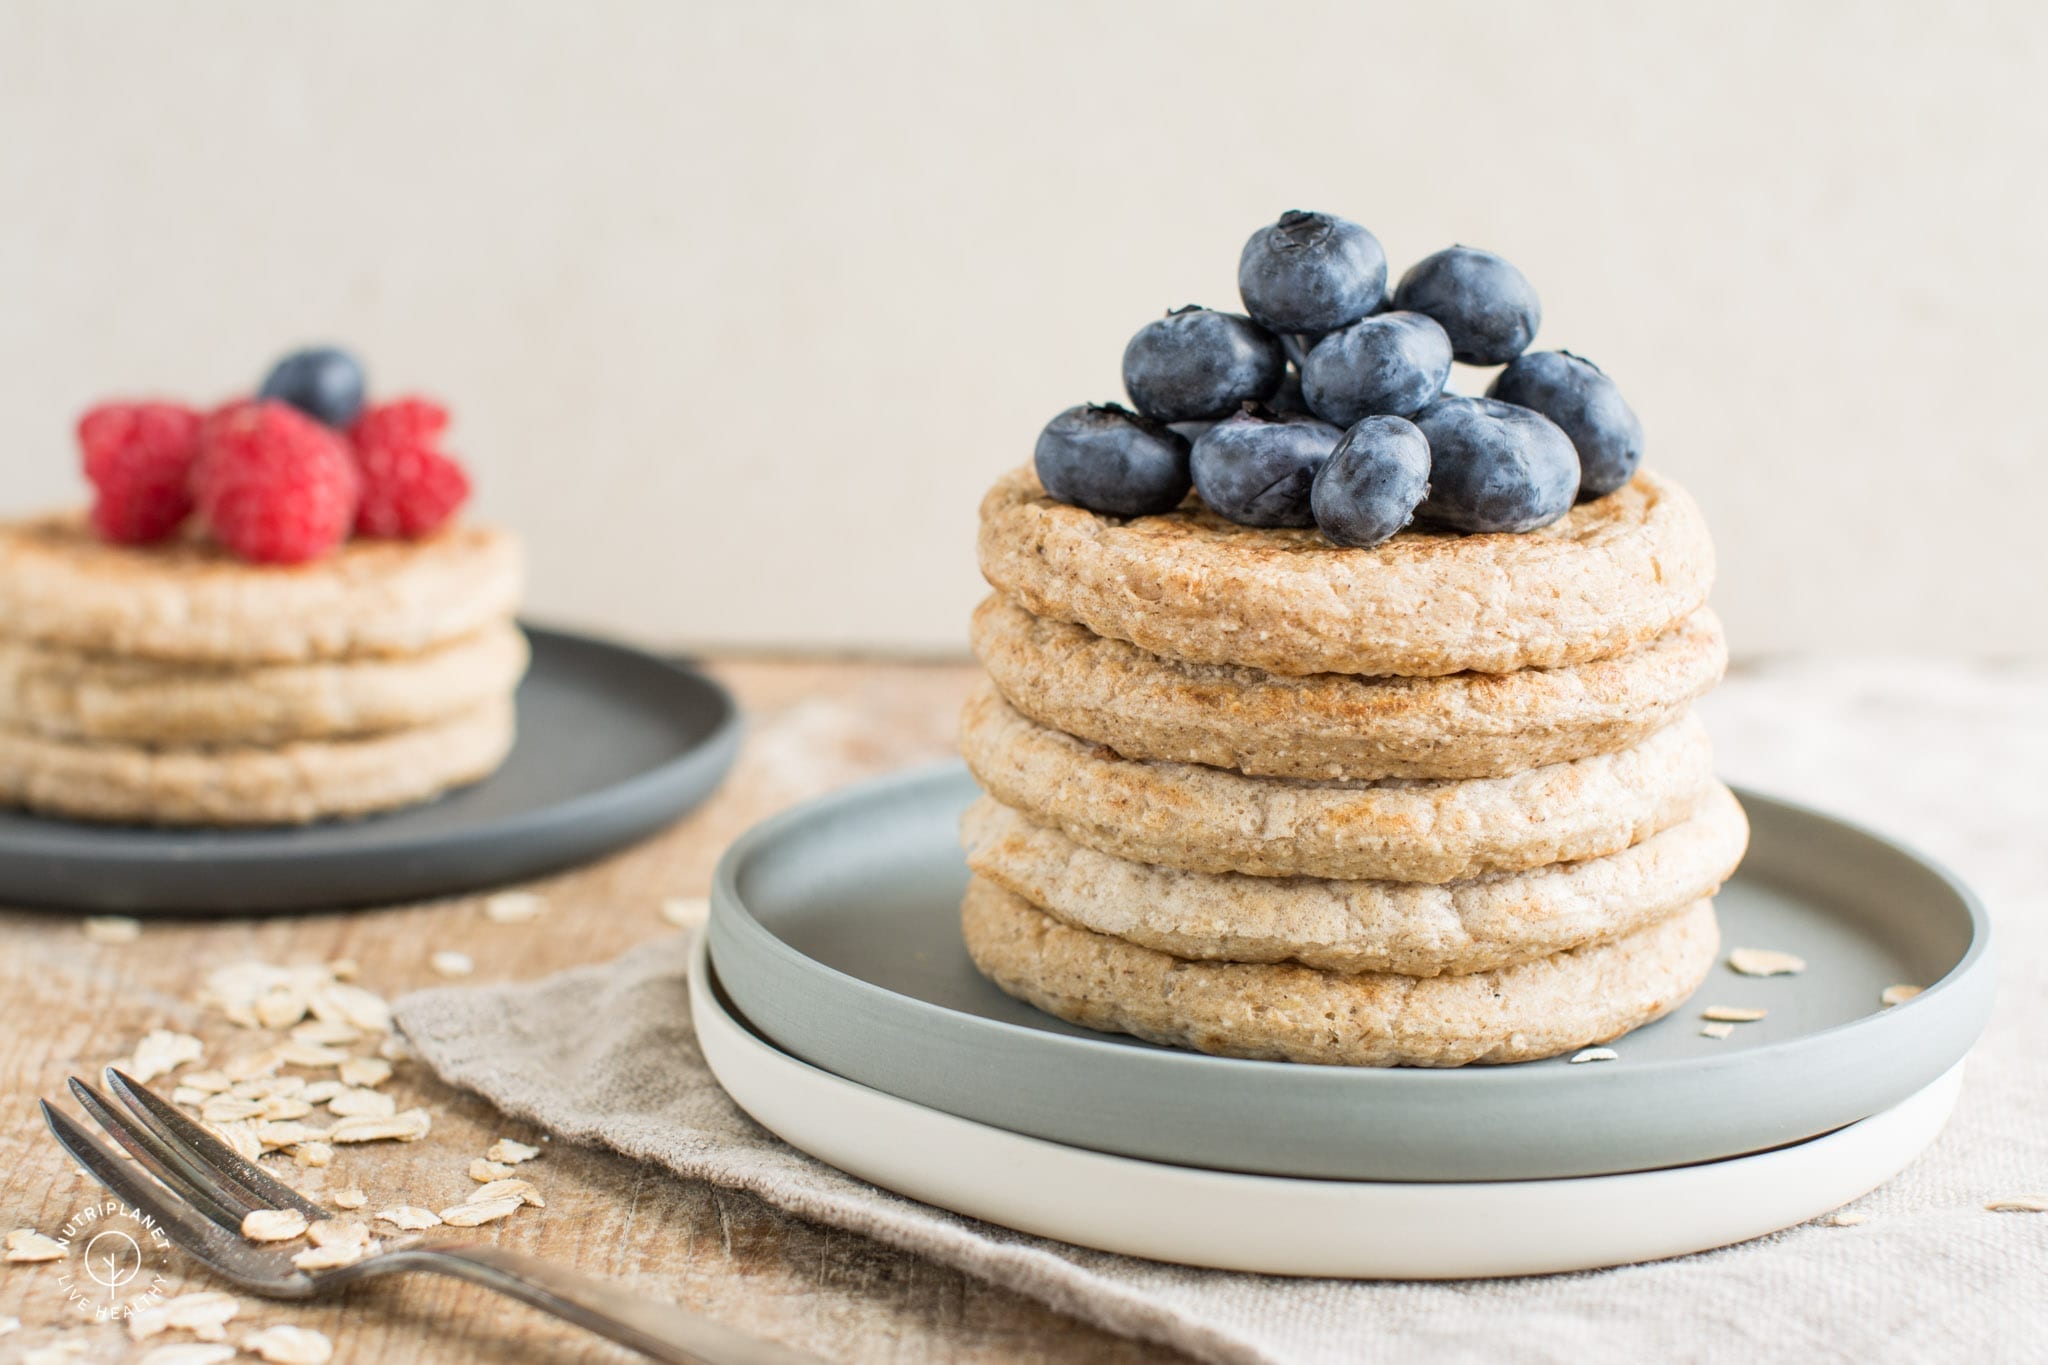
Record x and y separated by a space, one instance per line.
663 1331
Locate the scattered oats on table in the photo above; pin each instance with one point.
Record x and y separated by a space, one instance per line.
161 1052
330 1232
1765 962
2019 1203
513 1188
1716 1030
228 1108
484 1170
273 1225
685 912
408 1126
335 1244
1899 994
188 1353
111 928
240 1136
448 962
350 1198
506 1152
363 1103
514 907
250 1065
286 1133
205 1313
1732 1014
280 1007
327 1032
365 1009
365 1072
410 1218
310 1055
64 1349
488 1211
285 1344
1595 1054
1845 1219
329 1257
313 1154
26 1245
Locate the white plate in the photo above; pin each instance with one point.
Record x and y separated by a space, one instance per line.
1283 1226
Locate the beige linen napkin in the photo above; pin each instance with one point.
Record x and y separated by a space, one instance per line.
1930 1277
1953 760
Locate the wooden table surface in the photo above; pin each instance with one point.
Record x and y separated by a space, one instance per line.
69 1005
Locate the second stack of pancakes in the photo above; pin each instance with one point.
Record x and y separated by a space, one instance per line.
177 685
1439 802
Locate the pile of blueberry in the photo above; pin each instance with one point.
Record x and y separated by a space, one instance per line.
1326 406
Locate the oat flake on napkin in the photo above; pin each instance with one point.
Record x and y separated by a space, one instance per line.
1931 1276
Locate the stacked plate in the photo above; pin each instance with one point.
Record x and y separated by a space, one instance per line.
839 1006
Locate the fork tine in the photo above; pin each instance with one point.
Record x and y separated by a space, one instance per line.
203 1156
160 1160
199 1235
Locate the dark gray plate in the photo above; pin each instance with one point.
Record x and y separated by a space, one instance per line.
613 744
835 929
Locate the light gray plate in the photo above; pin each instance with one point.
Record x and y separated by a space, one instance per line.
613 744
835 929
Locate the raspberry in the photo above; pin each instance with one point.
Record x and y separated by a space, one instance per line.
410 486
272 484
137 457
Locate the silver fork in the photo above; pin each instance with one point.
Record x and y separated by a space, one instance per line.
202 1190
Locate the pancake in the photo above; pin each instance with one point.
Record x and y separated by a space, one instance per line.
1334 725
63 694
284 785
1298 1014
190 601
1614 572
1413 929
1204 819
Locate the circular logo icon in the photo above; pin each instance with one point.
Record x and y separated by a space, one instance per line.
119 1264
112 1258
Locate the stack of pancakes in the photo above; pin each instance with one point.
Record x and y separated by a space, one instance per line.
1437 802
177 685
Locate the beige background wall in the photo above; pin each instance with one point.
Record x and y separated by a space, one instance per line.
741 306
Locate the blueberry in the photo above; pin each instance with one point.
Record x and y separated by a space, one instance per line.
1495 467
1310 272
324 382
1370 486
1577 395
1289 398
1255 468
1297 345
1390 363
1488 307
1196 364
1108 459
1189 431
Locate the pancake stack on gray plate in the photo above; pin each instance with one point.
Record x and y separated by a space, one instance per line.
1436 802
174 684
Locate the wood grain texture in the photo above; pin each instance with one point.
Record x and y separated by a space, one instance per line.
68 1006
